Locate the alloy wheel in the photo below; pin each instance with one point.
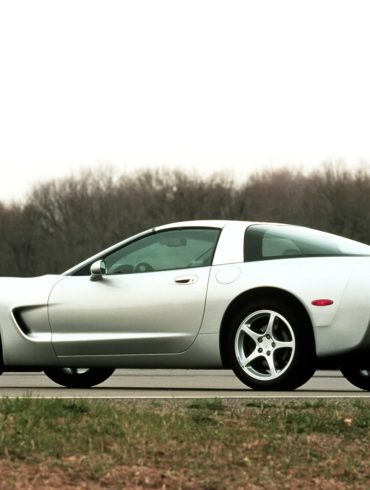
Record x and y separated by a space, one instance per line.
265 345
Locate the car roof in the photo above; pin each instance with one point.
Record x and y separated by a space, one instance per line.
212 223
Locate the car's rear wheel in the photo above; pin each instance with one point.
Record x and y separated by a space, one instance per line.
271 346
78 377
357 376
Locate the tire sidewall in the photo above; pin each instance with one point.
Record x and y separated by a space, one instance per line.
352 373
92 377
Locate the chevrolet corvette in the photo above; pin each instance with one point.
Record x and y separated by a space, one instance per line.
272 302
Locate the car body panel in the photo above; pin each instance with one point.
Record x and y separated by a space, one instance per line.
30 346
123 314
318 278
230 244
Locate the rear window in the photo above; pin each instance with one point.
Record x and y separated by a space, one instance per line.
266 242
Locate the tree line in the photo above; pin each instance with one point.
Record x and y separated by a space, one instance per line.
64 221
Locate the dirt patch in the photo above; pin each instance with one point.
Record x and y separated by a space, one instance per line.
71 476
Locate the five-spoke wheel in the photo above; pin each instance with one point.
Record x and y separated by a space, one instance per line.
265 345
271 346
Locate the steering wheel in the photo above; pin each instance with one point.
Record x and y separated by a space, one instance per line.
143 267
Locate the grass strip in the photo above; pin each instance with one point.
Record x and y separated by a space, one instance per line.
202 444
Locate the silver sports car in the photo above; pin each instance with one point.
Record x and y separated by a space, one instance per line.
270 301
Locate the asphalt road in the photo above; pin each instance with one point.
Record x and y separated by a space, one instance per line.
144 383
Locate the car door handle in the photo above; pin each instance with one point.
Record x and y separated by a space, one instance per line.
185 279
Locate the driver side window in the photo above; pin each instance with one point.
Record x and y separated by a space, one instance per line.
165 250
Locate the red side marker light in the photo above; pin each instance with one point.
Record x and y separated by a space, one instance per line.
322 302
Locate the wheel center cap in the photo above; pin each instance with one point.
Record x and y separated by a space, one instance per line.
266 343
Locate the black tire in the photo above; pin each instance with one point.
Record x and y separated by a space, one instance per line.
78 377
271 346
357 376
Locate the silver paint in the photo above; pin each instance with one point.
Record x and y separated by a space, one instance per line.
124 310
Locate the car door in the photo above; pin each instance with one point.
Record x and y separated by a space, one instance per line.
150 300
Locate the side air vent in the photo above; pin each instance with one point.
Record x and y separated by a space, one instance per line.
18 314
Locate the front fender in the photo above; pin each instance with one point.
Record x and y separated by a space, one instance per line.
24 325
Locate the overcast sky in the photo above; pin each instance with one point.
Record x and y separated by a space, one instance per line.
203 84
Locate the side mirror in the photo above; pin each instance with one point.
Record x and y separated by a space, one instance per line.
97 270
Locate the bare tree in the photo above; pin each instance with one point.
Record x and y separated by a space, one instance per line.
64 221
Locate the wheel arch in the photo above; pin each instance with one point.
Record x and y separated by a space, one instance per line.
265 293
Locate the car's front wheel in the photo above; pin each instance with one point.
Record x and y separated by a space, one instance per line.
78 377
271 346
357 376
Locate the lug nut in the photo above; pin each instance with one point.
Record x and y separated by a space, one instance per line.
259 339
273 344
268 352
268 336
260 350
